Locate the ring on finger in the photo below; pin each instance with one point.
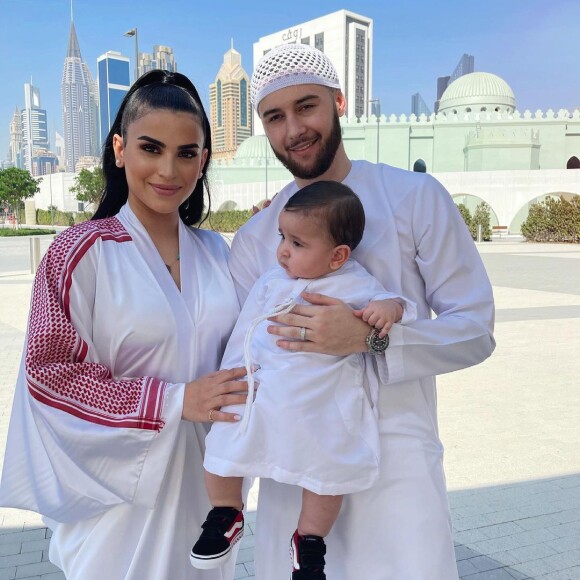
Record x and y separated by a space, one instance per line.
302 333
211 412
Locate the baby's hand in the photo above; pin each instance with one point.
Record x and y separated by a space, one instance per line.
381 314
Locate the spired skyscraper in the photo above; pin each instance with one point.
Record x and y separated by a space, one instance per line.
230 107
114 82
79 105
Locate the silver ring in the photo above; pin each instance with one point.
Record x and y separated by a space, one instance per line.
302 333
211 412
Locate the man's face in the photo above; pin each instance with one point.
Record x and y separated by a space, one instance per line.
302 125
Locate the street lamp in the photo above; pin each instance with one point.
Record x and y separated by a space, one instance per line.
377 103
133 32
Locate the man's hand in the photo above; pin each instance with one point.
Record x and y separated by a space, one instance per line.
330 327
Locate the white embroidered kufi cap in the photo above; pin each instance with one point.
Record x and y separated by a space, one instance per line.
288 65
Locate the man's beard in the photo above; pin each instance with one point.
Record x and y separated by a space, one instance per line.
323 160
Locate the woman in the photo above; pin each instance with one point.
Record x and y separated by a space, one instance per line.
106 436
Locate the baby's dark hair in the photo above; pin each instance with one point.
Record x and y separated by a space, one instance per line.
334 204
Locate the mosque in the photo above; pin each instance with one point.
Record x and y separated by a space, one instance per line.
478 145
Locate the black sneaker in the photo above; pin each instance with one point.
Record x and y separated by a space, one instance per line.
223 527
307 553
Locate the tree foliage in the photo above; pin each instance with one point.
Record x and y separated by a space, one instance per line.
480 216
88 185
16 185
465 214
553 220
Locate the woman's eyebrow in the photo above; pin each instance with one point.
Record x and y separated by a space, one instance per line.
162 145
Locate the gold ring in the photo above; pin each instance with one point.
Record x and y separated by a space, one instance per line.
211 412
302 333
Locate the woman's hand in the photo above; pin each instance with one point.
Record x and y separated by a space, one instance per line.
330 327
205 396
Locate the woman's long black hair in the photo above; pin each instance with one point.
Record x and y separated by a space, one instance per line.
157 89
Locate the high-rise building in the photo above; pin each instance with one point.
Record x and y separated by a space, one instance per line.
79 105
15 151
230 107
59 150
162 58
465 66
34 127
347 39
114 82
418 106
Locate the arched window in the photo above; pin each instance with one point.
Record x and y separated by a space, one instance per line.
573 163
483 109
468 109
420 166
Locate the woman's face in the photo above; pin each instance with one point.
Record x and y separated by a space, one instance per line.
163 156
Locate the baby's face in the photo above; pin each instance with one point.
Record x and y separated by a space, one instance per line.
305 249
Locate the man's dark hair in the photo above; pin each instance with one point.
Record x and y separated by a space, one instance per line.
336 205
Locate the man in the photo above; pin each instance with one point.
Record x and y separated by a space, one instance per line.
417 245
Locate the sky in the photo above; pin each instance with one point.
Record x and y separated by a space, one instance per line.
532 44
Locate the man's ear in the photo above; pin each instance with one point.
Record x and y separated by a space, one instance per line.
340 255
340 101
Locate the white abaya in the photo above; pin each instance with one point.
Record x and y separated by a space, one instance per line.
96 441
417 245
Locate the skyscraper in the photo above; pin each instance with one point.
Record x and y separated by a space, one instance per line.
79 105
230 107
418 106
465 66
15 151
162 58
114 82
34 127
347 39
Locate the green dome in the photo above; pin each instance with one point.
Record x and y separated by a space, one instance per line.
253 150
477 92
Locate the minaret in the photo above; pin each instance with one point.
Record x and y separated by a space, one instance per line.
78 104
230 107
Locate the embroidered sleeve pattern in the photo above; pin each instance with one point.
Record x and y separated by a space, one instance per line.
57 371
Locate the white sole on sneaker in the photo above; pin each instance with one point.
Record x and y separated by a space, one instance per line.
215 561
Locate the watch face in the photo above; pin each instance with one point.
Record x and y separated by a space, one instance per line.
376 344
380 344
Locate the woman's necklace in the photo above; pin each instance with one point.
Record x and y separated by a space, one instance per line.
169 266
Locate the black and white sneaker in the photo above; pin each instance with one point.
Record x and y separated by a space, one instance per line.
307 553
223 527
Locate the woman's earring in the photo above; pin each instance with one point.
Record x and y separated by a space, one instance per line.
118 162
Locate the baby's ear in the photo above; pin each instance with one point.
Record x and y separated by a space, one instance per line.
340 255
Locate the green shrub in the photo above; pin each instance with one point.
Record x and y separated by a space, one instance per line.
481 217
9 232
227 221
553 220
465 214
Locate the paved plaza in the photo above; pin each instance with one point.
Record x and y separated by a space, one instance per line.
510 426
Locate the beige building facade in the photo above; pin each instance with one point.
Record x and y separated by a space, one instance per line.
347 39
230 108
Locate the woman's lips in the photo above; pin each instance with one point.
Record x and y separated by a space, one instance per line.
167 190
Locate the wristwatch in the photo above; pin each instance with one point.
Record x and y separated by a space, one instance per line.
376 344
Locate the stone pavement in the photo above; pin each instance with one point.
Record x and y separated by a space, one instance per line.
510 425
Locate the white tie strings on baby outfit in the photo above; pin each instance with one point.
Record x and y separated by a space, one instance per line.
283 308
